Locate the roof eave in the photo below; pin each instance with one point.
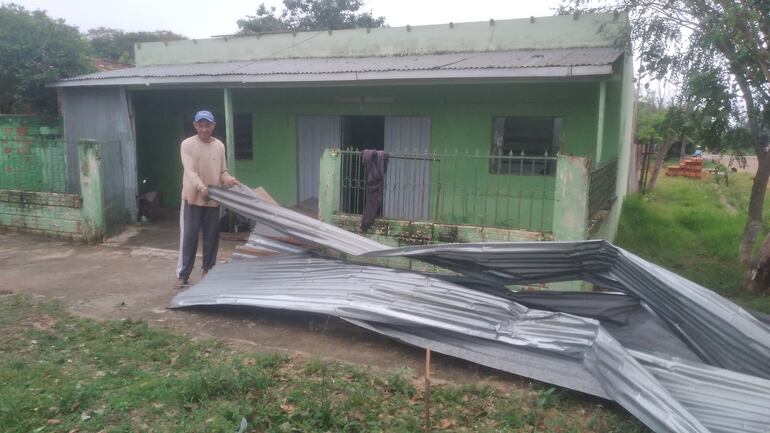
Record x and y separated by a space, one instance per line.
419 76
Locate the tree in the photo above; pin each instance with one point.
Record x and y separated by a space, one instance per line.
117 45
666 127
304 15
729 38
699 114
35 49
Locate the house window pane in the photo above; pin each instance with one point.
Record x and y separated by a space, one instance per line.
520 145
243 135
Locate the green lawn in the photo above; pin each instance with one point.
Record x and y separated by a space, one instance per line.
693 227
60 373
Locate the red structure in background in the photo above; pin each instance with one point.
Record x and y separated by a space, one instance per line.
688 167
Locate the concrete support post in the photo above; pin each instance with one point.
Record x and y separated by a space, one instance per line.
570 209
91 190
329 185
229 132
600 122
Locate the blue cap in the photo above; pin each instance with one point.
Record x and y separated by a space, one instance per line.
204 115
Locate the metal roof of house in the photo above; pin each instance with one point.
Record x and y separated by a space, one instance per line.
469 65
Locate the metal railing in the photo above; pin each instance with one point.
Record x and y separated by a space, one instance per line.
512 191
601 187
33 163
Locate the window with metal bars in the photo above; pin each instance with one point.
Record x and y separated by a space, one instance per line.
525 145
242 132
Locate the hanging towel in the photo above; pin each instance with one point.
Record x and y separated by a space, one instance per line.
376 163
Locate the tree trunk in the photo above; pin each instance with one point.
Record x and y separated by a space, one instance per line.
759 186
758 277
660 159
756 203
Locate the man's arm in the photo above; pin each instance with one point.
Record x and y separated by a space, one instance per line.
188 162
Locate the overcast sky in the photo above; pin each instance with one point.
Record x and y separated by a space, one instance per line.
204 18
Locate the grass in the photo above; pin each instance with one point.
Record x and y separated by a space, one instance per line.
66 374
693 228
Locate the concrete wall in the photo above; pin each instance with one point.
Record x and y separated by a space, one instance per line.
403 233
28 125
71 216
461 121
32 154
608 229
595 30
56 214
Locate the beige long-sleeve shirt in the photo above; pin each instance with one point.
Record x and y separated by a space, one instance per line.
204 164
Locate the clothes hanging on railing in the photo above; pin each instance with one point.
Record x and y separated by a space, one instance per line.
376 163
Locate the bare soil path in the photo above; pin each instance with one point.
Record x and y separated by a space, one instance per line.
751 162
130 277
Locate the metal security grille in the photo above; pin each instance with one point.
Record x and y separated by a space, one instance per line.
601 189
33 163
459 188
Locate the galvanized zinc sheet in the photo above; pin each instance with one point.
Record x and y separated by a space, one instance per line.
102 115
719 331
474 317
243 200
559 348
494 60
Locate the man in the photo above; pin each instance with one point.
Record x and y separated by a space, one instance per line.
204 162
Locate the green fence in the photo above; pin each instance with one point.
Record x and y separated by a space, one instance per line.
33 163
601 189
510 191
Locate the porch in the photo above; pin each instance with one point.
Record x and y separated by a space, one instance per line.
465 197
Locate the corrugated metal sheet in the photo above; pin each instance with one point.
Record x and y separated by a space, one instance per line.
244 201
663 363
718 330
407 181
314 135
102 114
544 62
563 349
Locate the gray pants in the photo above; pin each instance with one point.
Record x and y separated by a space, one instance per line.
192 220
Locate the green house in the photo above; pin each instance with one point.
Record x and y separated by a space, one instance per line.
521 124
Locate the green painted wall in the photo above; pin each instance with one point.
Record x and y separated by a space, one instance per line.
609 228
69 216
44 213
398 233
32 154
461 117
588 30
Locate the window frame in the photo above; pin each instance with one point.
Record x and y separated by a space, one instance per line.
242 151
526 164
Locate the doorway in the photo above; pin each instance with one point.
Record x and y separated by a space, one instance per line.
358 133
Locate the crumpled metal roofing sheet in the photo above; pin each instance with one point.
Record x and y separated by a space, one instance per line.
383 295
518 59
243 200
718 330
559 348
475 318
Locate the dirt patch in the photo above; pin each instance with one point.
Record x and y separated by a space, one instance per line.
751 162
133 276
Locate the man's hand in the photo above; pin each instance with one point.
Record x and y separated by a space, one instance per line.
205 192
232 182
